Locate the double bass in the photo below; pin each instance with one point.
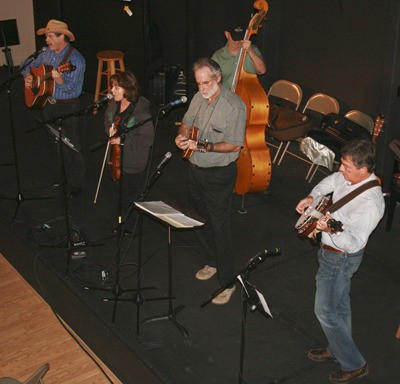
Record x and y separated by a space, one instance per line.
254 162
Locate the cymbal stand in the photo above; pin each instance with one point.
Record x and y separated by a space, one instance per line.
250 297
19 198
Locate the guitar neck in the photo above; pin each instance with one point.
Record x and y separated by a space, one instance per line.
378 127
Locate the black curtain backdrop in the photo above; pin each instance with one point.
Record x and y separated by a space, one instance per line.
348 50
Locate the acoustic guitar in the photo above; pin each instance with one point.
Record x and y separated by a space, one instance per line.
194 136
306 224
43 84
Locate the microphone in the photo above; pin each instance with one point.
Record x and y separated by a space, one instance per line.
261 256
34 55
109 96
164 160
182 100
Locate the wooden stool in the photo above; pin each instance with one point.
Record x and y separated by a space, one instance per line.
111 58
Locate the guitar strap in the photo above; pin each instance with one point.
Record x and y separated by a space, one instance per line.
350 196
64 59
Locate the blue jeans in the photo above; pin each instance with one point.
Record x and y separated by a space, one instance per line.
332 305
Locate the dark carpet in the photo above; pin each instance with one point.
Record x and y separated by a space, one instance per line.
275 349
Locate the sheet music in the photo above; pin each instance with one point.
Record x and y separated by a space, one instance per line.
259 294
168 214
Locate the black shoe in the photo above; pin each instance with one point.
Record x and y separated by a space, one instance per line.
75 191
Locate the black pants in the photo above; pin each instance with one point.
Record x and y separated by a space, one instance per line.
210 194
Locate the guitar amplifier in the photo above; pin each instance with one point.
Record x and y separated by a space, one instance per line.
161 84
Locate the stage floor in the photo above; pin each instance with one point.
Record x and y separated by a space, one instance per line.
275 348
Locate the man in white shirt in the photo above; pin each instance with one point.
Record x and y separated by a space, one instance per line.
341 254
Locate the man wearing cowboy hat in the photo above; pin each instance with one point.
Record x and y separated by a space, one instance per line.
65 98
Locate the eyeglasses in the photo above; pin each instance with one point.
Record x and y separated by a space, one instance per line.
205 83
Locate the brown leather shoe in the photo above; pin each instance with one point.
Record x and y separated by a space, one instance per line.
319 355
224 296
206 273
343 377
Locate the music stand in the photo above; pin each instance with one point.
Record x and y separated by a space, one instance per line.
117 288
250 296
173 219
8 36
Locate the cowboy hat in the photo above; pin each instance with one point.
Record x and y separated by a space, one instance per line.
56 26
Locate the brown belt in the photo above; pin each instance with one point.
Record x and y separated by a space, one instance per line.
331 249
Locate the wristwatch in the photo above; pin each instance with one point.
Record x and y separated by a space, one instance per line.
211 147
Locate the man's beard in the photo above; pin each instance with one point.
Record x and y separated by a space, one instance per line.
211 93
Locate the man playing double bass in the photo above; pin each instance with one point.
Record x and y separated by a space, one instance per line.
220 117
227 56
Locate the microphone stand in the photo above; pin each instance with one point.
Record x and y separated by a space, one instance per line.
61 139
19 198
117 290
249 296
80 112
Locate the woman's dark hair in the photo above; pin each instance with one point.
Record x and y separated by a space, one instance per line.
128 82
362 153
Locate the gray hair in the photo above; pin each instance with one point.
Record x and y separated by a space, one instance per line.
209 63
